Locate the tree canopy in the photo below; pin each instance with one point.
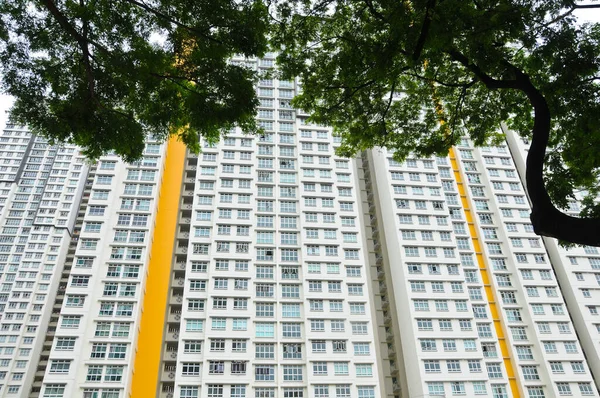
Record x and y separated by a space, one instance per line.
385 73
104 73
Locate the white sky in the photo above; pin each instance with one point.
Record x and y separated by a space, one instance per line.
590 15
5 104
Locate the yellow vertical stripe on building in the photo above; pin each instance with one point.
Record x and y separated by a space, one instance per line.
149 343
485 277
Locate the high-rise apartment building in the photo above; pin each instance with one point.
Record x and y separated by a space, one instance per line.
472 297
269 267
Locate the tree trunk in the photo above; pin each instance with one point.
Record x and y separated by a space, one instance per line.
547 220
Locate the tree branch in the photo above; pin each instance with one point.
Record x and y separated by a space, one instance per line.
346 97
584 6
546 219
387 109
459 104
569 12
559 17
374 11
489 82
81 40
424 29
172 20
443 83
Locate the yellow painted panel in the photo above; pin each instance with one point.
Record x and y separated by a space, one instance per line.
485 278
149 343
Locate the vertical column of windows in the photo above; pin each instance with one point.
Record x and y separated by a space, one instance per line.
529 278
443 281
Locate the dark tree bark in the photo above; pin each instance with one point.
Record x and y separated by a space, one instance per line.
546 219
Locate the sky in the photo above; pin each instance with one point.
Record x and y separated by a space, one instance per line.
590 15
5 104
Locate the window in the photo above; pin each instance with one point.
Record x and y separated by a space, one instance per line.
264 373
530 373
292 372
494 370
240 303
113 373
424 324
264 392
474 366
436 389
432 366
190 369
117 351
290 310
557 367
428 345
585 388
237 390
355 289
577 367
458 388
238 345
264 351
194 325
550 347
318 346
317 325
340 368
192 346
215 390
421 305
240 324
453 366
53 390
263 329
360 348
186 392
65 343
563 389
321 391
60 366
292 351
524 353
70 321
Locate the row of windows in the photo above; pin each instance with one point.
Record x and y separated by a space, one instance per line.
268 177
267 329
103 328
267 221
288 310
418 191
262 254
267 191
58 391
239 390
438 389
267 372
288 238
268 271
268 289
266 254
443 306
429 251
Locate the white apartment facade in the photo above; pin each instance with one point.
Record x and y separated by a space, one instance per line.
474 287
291 272
40 194
271 293
94 344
